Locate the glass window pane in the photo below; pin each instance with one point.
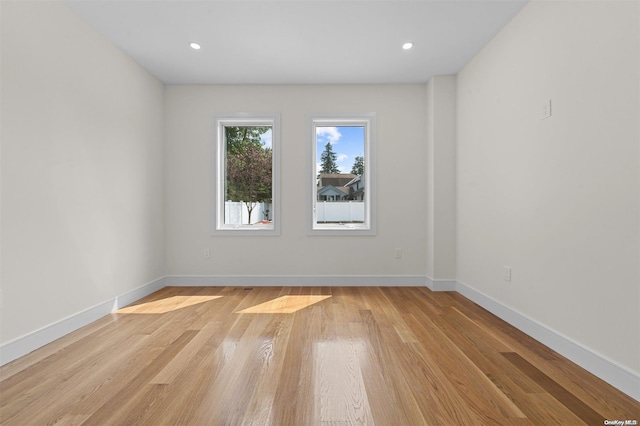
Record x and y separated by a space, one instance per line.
246 184
249 175
340 190
342 178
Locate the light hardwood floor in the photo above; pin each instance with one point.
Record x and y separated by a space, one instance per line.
303 356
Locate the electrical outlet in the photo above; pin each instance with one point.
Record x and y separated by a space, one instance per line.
398 254
507 273
207 253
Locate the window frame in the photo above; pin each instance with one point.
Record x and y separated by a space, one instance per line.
218 176
368 121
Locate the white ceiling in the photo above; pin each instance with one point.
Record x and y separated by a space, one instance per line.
298 41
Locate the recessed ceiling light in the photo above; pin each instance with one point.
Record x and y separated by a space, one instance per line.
194 45
408 45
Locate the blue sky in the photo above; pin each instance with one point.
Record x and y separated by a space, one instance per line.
266 138
347 143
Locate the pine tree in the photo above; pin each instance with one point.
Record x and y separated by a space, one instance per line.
328 160
358 166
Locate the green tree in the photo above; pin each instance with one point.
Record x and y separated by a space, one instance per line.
249 166
249 176
328 160
237 138
358 166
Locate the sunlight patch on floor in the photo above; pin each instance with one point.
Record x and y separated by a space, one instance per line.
284 305
163 306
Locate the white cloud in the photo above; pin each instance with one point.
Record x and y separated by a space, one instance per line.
341 157
330 133
266 139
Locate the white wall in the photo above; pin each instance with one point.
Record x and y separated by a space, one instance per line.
557 200
84 206
441 178
82 178
401 173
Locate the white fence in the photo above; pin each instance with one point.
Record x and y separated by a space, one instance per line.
236 213
339 211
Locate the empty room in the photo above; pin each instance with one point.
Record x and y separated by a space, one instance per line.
308 212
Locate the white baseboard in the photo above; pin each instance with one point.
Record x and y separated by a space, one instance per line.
441 285
137 294
295 280
618 376
23 345
597 364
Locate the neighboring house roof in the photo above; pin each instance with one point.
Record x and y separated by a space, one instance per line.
335 179
353 181
332 190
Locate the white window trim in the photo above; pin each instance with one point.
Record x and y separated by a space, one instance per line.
221 120
368 120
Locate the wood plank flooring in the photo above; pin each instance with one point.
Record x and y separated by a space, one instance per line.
303 356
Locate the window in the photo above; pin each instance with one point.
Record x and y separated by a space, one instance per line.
245 174
342 177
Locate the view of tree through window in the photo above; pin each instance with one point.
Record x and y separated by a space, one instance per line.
249 175
341 186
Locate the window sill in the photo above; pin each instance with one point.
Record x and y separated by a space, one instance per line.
247 230
346 229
